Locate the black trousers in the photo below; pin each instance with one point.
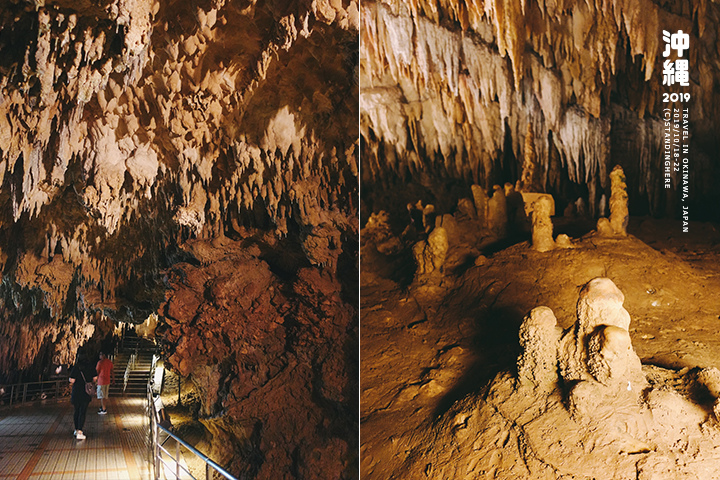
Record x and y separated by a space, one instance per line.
80 412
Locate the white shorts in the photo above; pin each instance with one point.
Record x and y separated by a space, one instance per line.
102 391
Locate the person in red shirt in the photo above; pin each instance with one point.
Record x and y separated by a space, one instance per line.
105 377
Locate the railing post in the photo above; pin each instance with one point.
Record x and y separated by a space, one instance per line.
153 434
177 459
207 472
24 393
12 393
154 453
157 449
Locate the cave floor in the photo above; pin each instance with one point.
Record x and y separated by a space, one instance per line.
428 344
36 442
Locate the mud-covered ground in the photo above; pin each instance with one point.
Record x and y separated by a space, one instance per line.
429 344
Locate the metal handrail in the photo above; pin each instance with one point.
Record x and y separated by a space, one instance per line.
130 366
159 448
20 393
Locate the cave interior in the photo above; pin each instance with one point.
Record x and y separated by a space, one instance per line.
539 269
189 170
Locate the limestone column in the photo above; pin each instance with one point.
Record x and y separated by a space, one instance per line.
619 214
542 227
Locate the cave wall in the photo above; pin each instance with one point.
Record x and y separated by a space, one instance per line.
274 359
449 90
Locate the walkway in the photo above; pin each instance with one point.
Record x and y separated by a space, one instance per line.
36 442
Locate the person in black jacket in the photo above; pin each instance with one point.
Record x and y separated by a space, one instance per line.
82 372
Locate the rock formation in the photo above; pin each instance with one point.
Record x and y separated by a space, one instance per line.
429 216
563 241
710 379
481 203
597 349
497 212
617 224
619 213
430 255
269 356
600 304
539 340
542 227
377 231
611 358
466 207
581 406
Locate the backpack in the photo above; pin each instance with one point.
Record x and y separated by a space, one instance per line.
89 386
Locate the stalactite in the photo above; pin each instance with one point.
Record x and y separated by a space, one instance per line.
128 129
435 87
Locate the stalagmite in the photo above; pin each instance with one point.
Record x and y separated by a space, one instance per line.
563 241
438 243
539 340
430 255
497 216
466 207
604 228
611 358
600 303
481 204
616 225
423 264
594 357
619 213
542 227
429 215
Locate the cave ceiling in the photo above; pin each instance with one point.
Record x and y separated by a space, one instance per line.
129 127
450 90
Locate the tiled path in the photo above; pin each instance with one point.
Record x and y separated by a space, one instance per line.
37 442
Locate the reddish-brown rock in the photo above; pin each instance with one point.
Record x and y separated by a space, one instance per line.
272 358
